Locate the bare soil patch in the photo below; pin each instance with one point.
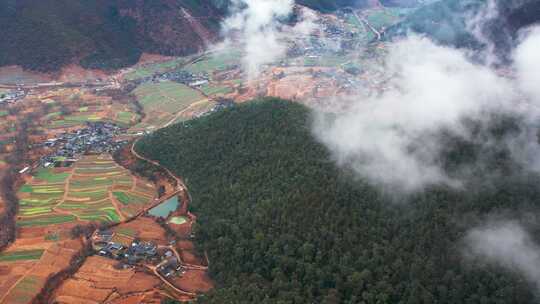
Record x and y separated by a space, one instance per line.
147 229
76 73
194 281
191 257
98 279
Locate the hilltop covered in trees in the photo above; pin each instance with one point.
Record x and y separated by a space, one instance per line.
282 224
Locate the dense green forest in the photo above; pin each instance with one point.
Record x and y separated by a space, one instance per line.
282 224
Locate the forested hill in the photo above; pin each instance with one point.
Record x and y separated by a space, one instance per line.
45 35
281 224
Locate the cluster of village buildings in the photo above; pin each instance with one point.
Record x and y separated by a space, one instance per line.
163 258
96 137
12 96
185 77
179 76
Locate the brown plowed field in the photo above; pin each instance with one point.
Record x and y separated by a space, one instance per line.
191 258
147 229
97 280
144 298
21 280
194 281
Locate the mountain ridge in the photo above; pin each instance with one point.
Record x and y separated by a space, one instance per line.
49 34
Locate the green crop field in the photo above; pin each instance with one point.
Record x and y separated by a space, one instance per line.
42 189
3 113
151 69
126 231
125 117
216 89
21 255
35 211
122 197
89 195
89 114
103 214
130 198
48 175
166 96
215 62
45 220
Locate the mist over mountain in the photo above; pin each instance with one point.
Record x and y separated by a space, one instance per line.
449 22
47 35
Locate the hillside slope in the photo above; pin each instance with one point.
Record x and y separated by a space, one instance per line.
47 34
282 225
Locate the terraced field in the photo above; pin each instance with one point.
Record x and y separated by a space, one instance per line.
95 189
27 264
119 114
22 255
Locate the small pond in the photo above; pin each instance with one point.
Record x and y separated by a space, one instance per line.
164 209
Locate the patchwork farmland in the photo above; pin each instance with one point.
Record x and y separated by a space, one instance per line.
163 102
99 281
94 189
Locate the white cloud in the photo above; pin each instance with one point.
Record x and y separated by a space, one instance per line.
507 244
433 87
259 27
527 62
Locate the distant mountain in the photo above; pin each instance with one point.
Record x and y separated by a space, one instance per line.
445 21
332 5
47 34
514 16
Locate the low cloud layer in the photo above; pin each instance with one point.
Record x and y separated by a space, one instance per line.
260 28
507 244
431 88
527 62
